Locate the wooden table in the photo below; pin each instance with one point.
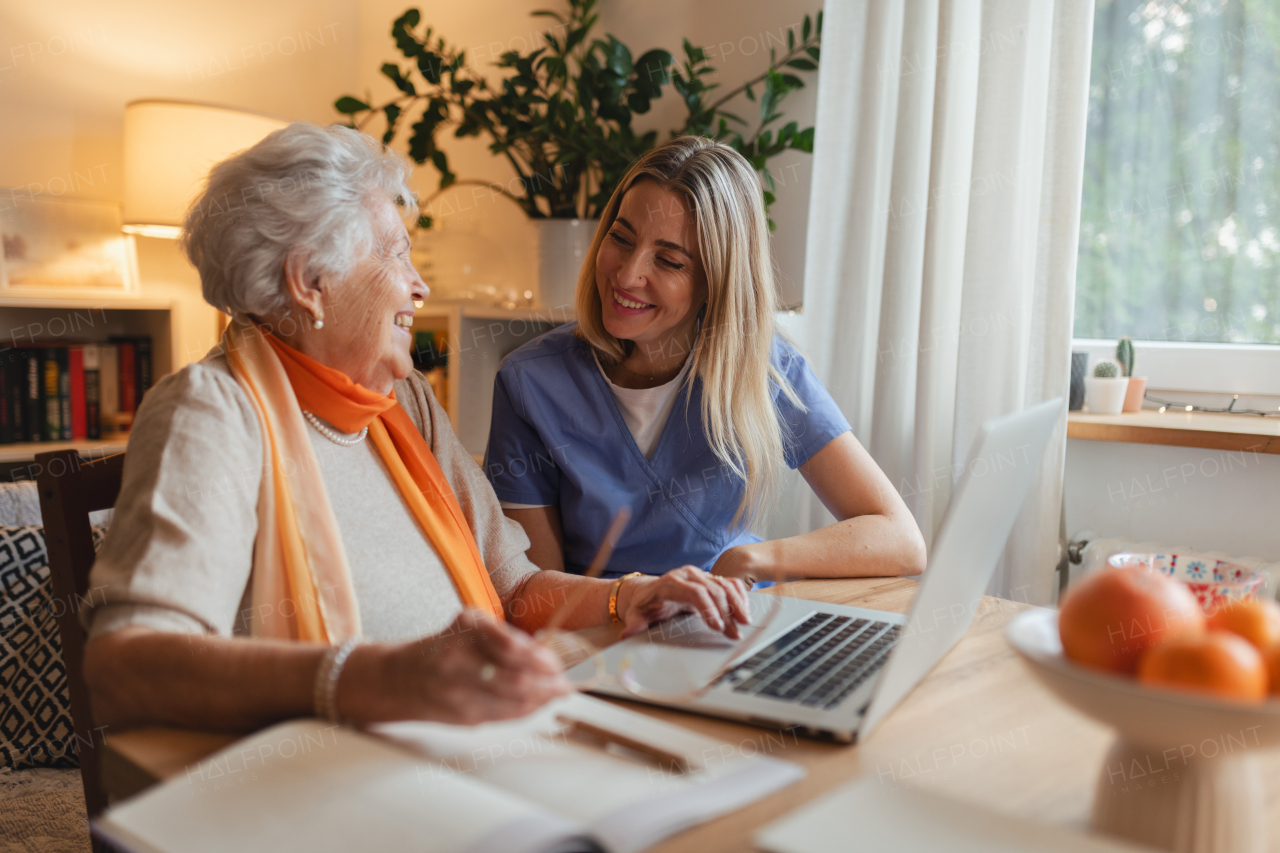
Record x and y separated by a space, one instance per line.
978 728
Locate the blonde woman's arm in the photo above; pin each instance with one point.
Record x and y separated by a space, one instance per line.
874 535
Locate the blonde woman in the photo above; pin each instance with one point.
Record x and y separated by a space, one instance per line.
674 396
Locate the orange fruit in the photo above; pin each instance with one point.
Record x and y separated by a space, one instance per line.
1111 618
1217 662
1255 619
1271 657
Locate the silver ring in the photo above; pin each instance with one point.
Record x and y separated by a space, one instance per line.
487 672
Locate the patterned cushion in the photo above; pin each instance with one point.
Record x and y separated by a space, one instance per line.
35 708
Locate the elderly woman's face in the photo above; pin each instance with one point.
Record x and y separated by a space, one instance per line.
649 269
368 319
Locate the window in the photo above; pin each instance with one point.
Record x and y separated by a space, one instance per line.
1180 222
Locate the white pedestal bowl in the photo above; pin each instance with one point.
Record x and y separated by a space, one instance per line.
1182 773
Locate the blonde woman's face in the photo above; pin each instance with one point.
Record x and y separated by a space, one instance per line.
649 269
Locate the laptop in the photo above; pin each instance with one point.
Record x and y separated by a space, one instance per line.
831 671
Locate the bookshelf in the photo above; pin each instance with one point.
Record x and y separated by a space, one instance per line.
479 337
26 319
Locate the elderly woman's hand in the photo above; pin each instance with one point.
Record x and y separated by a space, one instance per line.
475 671
722 602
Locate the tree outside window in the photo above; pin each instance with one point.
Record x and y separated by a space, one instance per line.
1180 224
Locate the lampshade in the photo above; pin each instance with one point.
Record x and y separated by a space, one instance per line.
169 147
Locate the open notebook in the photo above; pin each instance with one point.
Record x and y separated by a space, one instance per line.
527 786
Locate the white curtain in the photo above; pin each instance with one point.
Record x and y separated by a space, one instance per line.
943 225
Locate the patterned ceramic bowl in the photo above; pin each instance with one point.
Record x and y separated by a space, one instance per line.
1214 582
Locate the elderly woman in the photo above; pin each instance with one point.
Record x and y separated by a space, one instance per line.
674 395
299 531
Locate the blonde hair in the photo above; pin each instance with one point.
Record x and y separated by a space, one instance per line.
732 354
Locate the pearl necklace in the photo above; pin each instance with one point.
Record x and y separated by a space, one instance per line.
335 437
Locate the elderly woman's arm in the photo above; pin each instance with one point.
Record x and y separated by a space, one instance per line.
139 676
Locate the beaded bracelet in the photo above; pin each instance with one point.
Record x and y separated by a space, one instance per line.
326 686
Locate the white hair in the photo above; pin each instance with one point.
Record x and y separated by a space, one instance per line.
302 186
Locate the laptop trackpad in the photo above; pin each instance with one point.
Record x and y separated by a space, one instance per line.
675 657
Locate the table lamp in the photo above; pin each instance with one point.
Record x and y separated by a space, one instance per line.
169 147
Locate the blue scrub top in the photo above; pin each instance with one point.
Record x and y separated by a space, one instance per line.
558 438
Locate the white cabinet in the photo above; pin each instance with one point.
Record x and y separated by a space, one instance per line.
478 339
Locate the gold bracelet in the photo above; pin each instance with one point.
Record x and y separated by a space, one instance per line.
613 594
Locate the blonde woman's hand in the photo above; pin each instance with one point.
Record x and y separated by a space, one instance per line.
475 671
720 601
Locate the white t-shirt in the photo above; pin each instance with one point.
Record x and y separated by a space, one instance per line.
645 411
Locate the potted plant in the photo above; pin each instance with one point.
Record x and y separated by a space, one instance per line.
1105 389
562 119
1136 390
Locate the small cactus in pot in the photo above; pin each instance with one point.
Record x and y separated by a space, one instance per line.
1106 370
1124 355
1136 392
1105 389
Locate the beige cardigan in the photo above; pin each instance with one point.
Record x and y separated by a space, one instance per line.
179 553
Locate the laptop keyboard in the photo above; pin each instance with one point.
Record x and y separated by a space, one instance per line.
818 663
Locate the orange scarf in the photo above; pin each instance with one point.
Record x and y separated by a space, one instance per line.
302 587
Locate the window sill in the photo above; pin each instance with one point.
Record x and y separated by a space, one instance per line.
1180 429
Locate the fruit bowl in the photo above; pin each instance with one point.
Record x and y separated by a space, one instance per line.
1181 774
1213 582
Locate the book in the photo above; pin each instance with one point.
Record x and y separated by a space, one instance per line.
62 354
128 377
33 412
10 396
142 365
49 386
524 786
75 366
15 366
108 380
6 398
883 817
92 391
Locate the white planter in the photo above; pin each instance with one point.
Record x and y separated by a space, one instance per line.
1105 396
562 247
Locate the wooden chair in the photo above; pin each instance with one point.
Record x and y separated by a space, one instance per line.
70 489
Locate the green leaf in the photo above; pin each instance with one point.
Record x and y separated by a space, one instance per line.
649 73
793 81
401 32
802 64
425 221
803 141
348 105
429 65
818 28
814 52
392 72
804 31
791 39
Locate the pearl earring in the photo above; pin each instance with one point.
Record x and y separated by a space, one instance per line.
318 324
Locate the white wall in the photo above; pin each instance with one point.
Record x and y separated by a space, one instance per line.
1207 499
67 68
491 237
